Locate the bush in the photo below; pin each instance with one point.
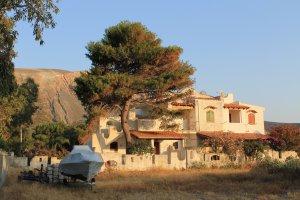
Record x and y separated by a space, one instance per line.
198 165
290 168
140 147
231 165
253 148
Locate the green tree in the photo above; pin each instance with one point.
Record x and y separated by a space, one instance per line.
57 135
130 65
28 92
39 14
51 135
253 147
7 38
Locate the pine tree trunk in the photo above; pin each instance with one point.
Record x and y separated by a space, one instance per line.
124 124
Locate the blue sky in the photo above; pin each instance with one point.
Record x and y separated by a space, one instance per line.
249 48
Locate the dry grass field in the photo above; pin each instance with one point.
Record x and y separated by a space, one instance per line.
160 184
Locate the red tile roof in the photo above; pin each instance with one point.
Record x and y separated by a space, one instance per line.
211 107
245 136
235 106
157 135
182 104
208 98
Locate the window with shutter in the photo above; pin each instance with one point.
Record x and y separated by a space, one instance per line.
251 119
210 116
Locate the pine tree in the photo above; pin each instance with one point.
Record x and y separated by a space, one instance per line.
130 65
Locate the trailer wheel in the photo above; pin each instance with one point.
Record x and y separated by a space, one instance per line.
65 181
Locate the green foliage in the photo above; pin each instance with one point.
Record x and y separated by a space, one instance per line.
7 39
140 147
130 61
57 135
3 144
231 165
225 144
29 92
36 12
17 102
253 147
17 110
291 167
198 165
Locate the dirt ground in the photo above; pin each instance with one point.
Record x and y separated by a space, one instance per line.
205 184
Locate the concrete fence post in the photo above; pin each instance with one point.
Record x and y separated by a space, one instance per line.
3 167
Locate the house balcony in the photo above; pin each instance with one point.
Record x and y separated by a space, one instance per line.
148 125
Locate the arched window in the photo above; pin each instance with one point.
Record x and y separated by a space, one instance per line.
210 116
251 118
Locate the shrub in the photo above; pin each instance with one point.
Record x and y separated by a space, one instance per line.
290 168
140 147
225 143
285 138
198 165
231 165
253 147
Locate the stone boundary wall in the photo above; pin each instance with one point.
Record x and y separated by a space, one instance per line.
33 163
3 167
173 159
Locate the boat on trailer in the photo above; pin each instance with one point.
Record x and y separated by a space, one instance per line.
82 163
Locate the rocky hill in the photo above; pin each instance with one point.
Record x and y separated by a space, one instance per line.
270 125
56 99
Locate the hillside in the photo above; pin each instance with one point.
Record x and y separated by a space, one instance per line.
56 99
270 125
58 102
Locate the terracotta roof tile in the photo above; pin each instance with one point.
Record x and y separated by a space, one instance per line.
210 107
235 106
245 136
182 104
157 135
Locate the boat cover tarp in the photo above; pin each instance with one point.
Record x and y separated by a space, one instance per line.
82 163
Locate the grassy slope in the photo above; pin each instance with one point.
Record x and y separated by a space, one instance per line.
159 184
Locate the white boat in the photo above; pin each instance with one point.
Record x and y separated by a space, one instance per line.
82 163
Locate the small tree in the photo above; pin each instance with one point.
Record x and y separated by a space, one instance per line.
253 147
130 65
140 147
285 138
225 144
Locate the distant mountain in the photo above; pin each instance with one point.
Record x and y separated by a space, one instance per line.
270 125
57 101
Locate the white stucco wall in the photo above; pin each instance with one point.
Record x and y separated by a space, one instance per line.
198 121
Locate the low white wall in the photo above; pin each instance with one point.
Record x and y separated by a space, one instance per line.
284 154
172 160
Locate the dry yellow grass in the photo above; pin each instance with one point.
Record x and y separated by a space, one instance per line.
160 184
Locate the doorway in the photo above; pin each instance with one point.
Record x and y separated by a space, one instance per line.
156 147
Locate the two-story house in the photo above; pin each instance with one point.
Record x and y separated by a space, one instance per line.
207 116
